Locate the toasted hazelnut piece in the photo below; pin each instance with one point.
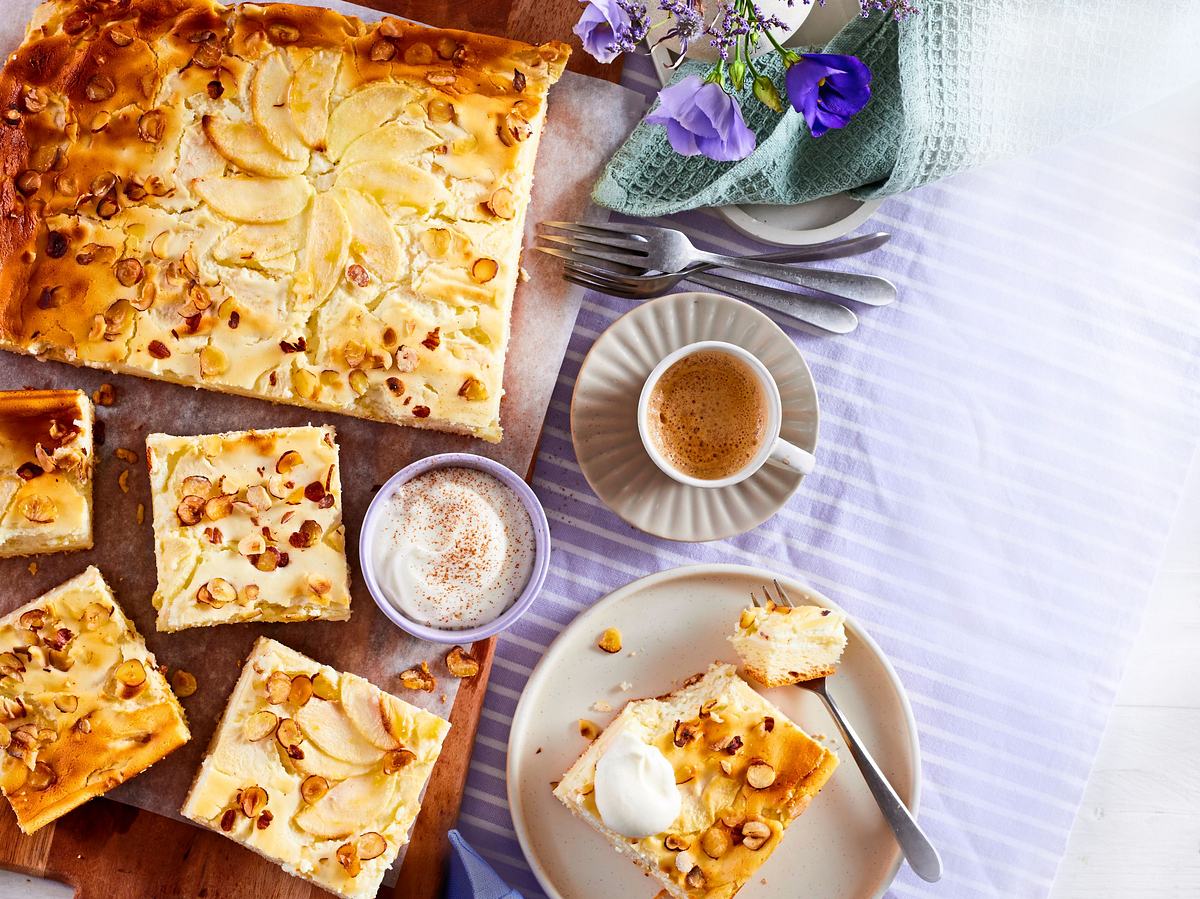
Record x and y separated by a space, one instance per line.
313 788
248 595
461 663
66 703
347 856
264 820
418 54
676 843
382 51
158 349
760 774
371 845
685 774
419 677
324 688
768 724
731 744
307 536
60 660
42 777
258 497
288 461
685 732
10 664
218 507
268 559
473 389
746 619
695 878
183 683
252 544
715 842
128 270
196 485
279 688
220 591
502 204
131 673
731 819
260 725
610 640
589 730
33 619
190 509
228 819
707 707
319 584
397 760
27 471
755 834
213 362
252 801
483 270
288 733
359 382
39 509
726 766
301 690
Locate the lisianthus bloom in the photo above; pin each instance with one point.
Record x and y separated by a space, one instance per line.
599 27
827 89
702 119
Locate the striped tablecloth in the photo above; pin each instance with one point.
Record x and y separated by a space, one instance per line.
1000 458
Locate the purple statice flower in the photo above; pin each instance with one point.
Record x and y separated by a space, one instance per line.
609 27
701 119
735 23
687 22
827 89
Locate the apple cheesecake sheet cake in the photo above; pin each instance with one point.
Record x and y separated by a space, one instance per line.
277 201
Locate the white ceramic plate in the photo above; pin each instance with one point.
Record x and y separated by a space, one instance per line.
827 218
674 624
604 417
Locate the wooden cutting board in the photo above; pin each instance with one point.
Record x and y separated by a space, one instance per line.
107 850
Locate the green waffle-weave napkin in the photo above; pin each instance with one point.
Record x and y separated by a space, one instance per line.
958 85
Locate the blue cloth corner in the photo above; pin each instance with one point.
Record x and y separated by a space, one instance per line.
471 877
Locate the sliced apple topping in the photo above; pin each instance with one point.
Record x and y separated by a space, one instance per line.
364 111
373 240
340 812
331 731
320 764
395 140
327 247
268 104
258 243
243 144
392 183
308 96
362 705
246 198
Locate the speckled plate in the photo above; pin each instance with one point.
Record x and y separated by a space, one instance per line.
674 624
604 417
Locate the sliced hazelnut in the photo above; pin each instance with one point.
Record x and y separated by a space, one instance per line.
589 730
314 492
221 591
421 411
252 801
33 619
768 724
514 129
99 88
440 110
183 683
731 819
726 766
213 362
382 51
730 744
288 734
473 389
419 677
252 544
418 54
190 509
39 509
483 270
359 382
313 788
249 595
676 843
283 33
707 707
158 349
196 485
288 461
755 834
760 774
324 688
461 663
10 664
260 725
715 842
279 688
218 507
66 703
319 584
264 820
128 271
685 732
397 760
441 78
258 497
307 536
695 878
268 559
42 777
301 690
27 471
228 819
131 673
502 203
371 845
347 856
279 486
610 640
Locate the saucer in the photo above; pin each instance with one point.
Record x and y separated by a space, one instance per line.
604 424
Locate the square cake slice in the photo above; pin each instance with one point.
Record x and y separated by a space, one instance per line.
272 200
46 460
83 705
248 527
743 771
317 770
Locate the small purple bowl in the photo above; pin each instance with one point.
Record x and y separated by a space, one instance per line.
541 555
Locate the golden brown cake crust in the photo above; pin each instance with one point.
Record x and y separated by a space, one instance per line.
105 108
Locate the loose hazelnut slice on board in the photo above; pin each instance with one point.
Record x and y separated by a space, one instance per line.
461 663
183 683
589 730
419 677
610 640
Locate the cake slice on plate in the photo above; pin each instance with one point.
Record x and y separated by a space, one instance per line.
45 471
317 770
83 706
781 645
698 786
248 527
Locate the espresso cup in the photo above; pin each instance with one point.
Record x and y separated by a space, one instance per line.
771 447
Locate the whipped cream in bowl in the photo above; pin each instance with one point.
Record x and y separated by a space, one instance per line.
454 548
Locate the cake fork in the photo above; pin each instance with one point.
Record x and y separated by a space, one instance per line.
922 857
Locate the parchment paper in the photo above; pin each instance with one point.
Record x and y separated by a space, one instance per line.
587 120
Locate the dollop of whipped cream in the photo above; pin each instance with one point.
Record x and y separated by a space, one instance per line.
635 788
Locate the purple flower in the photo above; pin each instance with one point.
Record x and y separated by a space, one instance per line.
827 89
702 119
600 27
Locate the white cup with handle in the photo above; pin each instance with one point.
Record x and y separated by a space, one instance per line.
773 449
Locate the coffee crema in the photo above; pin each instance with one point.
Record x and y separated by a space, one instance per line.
707 415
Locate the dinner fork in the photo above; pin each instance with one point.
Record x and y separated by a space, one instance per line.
667 250
922 857
832 317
